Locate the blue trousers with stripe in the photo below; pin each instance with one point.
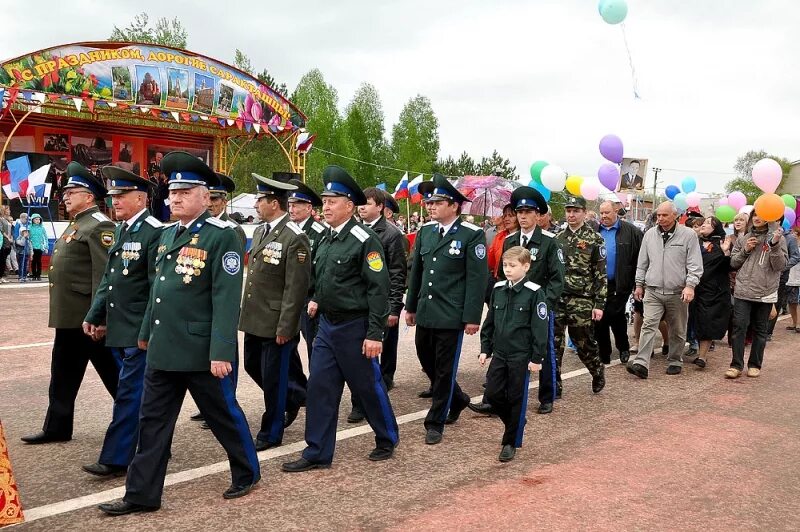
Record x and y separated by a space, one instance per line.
507 391
548 375
163 396
119 445
338 360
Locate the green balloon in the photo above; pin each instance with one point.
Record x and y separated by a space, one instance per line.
536 170
726 213
789 201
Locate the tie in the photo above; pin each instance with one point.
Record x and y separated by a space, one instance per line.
334 234
441 232
267 229
524 241
124 228
181 230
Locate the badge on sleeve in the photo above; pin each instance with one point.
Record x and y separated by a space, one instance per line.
107 238
603 252
480 251
561 256
541 310
231 262
374 261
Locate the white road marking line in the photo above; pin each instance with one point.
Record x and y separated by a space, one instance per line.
16 286
23 346
93 499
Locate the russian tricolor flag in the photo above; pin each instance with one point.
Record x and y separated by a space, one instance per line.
413 189
20 181
401 190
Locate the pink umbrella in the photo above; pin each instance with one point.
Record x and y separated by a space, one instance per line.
487 194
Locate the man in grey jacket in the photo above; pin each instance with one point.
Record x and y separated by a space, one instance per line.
670 266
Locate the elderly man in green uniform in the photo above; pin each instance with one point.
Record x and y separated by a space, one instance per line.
446 289
79 260
277 287
351 296
219 200
584 295
189 331
118 310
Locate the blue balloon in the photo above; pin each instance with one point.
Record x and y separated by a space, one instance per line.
681 202
543 190
786 225
688 185
672 191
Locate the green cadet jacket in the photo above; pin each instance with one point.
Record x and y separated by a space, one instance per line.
517 325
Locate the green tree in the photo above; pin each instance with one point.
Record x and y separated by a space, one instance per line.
415 137
364 124
166 32
242 62
744 169
266 78
496 164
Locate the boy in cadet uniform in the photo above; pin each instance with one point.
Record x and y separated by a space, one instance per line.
515 335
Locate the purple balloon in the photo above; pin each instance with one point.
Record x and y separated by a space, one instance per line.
611 148
609 176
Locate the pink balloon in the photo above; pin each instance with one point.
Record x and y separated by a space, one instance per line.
789 215
609 175
747 209
590 190
723 201
767 175
737 200
693 199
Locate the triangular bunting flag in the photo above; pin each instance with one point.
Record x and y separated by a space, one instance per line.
248 126
185 117
78 103
195 118
39 97
144 109
257 126
176 116
221 121
203 117
239 123
26 95
155 112
90 104
53 97
122 106
111 104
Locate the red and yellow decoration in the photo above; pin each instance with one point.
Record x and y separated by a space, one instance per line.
10 505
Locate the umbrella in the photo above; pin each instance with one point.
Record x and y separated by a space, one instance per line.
487 194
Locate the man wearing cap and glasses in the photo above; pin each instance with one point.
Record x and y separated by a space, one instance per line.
76 268
189 331
277 285
446 289
118 311
351 296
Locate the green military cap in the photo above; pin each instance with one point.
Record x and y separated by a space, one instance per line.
303 194
528 198
439 188
121 181
575 202
271 187
339 183
185 170
224 187
80 176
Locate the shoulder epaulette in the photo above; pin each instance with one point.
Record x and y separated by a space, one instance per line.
152 220
294 228
548 233
171 224
318 227
470 226
430 223
232 224
359 233
498 284
217 222
512 234
100 217
533 286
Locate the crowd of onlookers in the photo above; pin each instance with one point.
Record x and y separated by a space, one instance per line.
22 244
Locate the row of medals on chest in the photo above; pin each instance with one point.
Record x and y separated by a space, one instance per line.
272 253
190 262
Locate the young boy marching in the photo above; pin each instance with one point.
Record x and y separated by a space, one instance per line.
515 335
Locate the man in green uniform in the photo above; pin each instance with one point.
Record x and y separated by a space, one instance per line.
219 201
189 331
351 296
584 294
118 311
76 268
277 286
446 288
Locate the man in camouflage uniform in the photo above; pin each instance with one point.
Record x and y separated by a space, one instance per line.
584 293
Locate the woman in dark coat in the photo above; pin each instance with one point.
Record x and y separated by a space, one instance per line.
712 300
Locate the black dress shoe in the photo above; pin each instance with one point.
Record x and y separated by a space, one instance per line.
44 437
559 390
624 356
290 416
432 437
637 369
298 466
665 350
454 414
103 470
234 492
507 453
356 415
205 426
124 508
599 381
262 445
699 362
427 394
389 383
197 417
606 360
545 408
381 453
673 370
481 408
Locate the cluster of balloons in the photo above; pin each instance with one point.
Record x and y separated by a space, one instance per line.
613 11
686 196
767 175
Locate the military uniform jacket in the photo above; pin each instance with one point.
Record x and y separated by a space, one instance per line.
121 298
517 325
392 239
236 227
447 284
77 266
314 231
193 307
585 274
547 262
277 281
350 278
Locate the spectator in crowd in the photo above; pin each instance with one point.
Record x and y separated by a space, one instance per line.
546 221
21 224
694 220
495 251
793 285
40 245
711 307
739 229
669 268
6 244
24 251
591 220
492 226
794 258
760 255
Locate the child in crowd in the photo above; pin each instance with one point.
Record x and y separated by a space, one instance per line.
24 252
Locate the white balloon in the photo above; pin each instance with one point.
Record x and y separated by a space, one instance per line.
747 209
554 178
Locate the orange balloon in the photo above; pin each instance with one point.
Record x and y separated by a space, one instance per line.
769 207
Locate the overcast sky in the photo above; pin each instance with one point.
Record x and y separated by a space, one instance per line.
532 79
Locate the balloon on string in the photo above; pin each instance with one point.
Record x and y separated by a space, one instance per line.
746 209
786 225
737 200
611 148
769 207
723 201
767 174
693 199
789 200
590 190
789 214
688 185
609 176
725 213
554 178
672 191
536 170
541 188
573 185
613 11
681 202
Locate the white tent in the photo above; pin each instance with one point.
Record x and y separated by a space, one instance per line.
244 204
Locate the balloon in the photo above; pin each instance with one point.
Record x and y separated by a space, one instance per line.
786 225
789 214
573 185
693 199
590 190
688 185
723 201
613 11
609 176
541 188
769 207
737 200
681 202
536 170
746 209
611 148
554 178
672 191
790 201
767 175
725 213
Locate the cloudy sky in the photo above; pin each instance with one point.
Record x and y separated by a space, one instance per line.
532 79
